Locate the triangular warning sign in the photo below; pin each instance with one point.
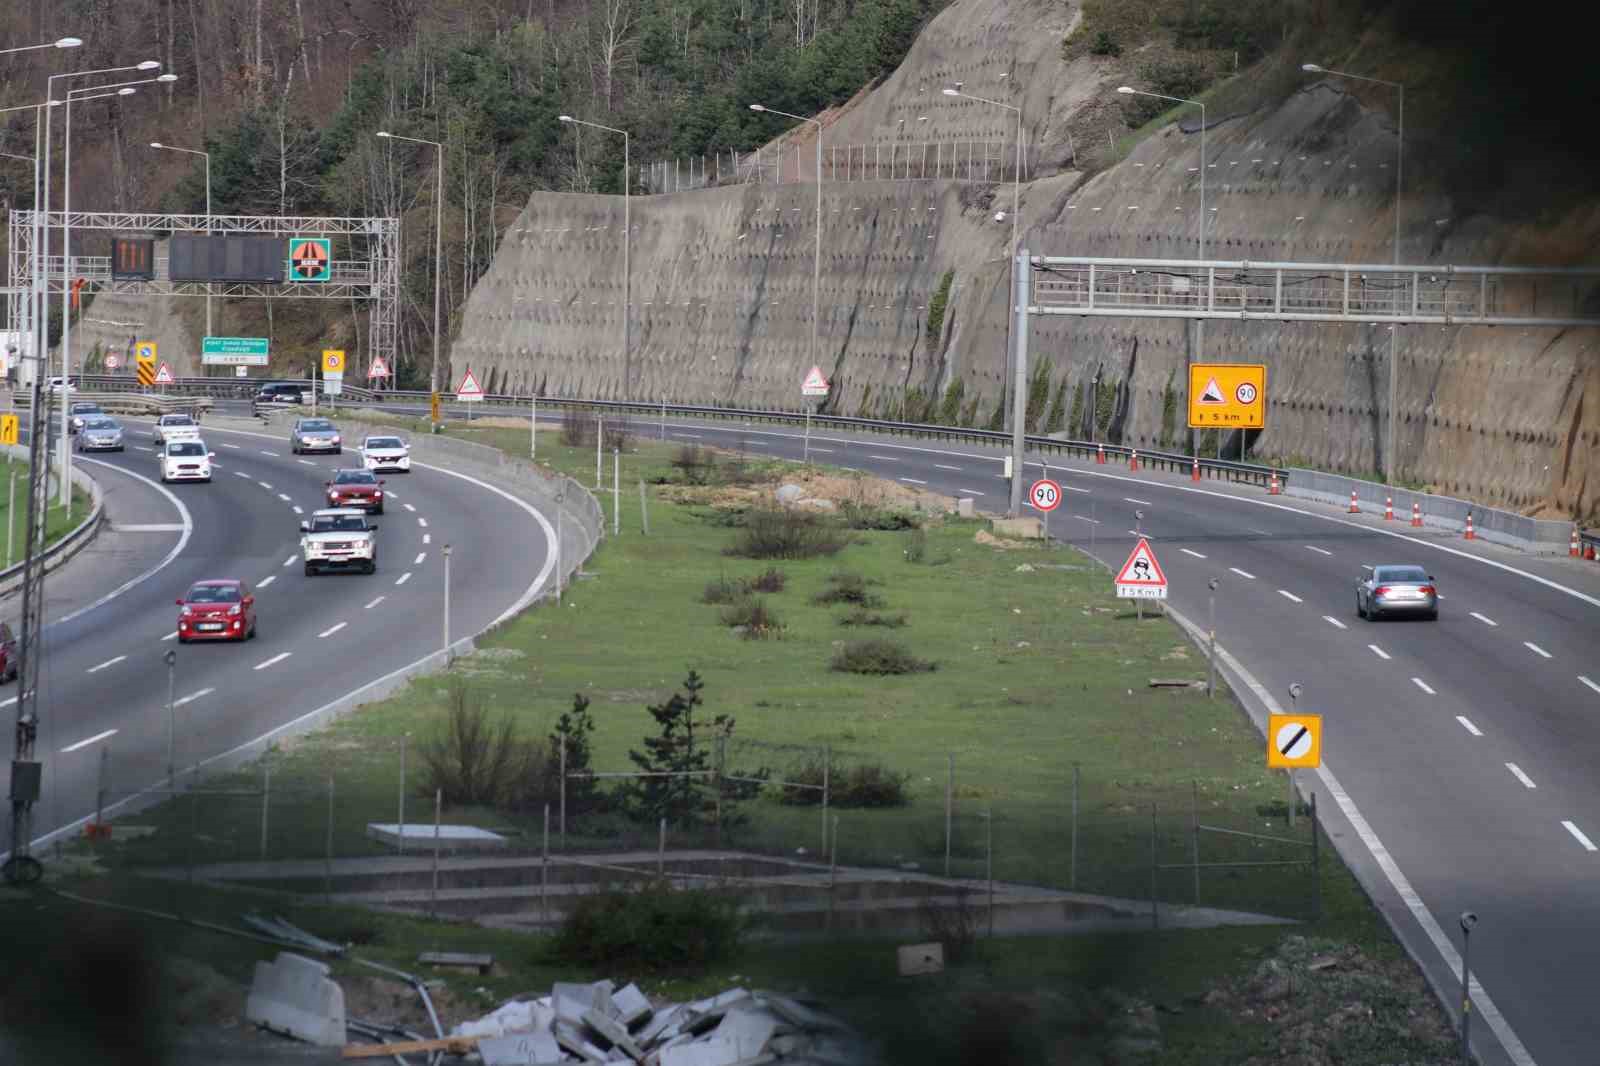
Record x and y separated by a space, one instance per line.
164 375
814 382
1142 568
469 389
1212 393
378 369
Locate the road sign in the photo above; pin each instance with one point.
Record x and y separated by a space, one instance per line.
310 259
113 361
1294 741
1227 395
234 351
1045 495
241 371
333 362
8 429
164 375
469 391
1141 577
378 369
333 386
814 384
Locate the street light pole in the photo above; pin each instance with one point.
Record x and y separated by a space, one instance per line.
1468 921
438 245
816 256
207 157
447 605
171 659
627 242
1394 327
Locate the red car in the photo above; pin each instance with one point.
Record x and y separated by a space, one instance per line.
8 653
356 488
217 610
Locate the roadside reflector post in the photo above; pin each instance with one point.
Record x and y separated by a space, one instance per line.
401 835
433 893
616 492
266 805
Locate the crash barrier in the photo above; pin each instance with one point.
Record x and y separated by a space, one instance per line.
66 547
115 402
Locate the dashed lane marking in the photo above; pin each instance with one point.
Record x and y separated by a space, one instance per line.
1588 845
913 481
1291 596
408 506
1379 652
272 454
1423 685
1247 575
1516 771
307 462
1468 726
264 485
427 538
326 633
423 522
1319 551
85 743
1142 503
403 578
191 697
942 466
264 582
297 510
1531 646
171 636
1484 619
885 458
1186 551
374 603
418 560
102 666
284 497
1331 620
291 560
278 658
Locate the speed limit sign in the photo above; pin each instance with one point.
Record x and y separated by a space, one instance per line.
1045 495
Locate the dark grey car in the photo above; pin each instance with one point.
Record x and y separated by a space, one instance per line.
315 435
1396 590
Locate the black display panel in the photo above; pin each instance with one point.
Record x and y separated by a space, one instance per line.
230 258
133 258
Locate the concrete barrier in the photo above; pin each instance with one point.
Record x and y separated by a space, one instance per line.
296 996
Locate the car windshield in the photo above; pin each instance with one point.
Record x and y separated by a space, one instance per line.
186 448
384 442
1402 573
176 420
85 408
316 425
338 523
99 423
355 477
213 594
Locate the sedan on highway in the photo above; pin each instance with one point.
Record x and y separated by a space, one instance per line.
185 460
100 433
176 427
315 435
78 412
1396 590
339 538
217 610
386 453
356 488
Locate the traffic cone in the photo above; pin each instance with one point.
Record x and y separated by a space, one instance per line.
1353 508
1133 459
1195 474
1573 548
1273 488
1388 508
1100 454
1589 555
1416 515
1469 535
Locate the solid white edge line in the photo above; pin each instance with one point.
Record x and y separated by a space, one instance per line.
1331 620
1588 845
1286 594
1516 771
183 542
85 743
1423 685
1531 646
1466 724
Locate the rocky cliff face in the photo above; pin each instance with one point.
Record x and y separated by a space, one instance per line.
721 284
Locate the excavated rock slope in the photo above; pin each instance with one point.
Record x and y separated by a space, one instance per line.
722 286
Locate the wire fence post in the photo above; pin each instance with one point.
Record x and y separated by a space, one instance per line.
663 418
661 849
1316 863
833 867
1288 777
327 858
544 872
988 862
266 805
100 788
949 805
400 824
1194 828
1155 920
599 439
194 831
717 772
433 893
616 492
1072 875
827 786
563 823
644 510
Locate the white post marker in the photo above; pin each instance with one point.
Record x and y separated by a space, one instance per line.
1141 577
813 385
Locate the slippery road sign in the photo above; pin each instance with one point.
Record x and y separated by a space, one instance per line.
1294 741
1141 577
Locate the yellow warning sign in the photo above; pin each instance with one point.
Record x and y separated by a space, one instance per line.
1294 741
1227 395
333 362
144 362
8 429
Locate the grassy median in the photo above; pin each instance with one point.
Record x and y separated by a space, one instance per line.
14 510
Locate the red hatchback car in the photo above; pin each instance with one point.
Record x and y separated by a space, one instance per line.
217 610
356 488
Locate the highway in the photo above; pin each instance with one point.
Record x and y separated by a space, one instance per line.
104 684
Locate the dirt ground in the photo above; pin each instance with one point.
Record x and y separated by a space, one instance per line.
838 490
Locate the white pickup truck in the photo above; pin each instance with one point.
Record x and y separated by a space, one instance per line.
339 538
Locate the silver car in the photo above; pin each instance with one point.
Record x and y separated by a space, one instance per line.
100 434
315 435
1396 590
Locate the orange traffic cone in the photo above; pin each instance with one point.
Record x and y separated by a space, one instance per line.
1195 470
1469 535
1273 488
1133 459
1416 515
1100 454
1388 508
1353 508
1573 547
1590 554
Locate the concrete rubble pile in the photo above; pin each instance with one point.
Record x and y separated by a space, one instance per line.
599 1023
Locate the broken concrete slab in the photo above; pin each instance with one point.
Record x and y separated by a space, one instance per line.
918 959
749 1029
297 996
418 836
518 1016
521 1049
712 1052
631 1005
658 1025
571 1001
571 1037
799 1015
615 1033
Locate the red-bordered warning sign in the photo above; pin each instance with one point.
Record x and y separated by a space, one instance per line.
1141 577
378 369
469 389
164 375
814 384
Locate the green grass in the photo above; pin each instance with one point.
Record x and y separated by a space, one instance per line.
57 524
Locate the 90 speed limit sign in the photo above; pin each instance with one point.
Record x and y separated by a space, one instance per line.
1045 495
1245 393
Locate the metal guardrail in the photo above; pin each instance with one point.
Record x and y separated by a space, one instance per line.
126 403
67 546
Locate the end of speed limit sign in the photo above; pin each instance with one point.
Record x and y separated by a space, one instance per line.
1045 495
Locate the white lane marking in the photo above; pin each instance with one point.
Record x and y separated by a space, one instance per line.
913 481
9 702
273 454
1243 573
142 448
102 666
264 485
1330 619
1262 532
1379 652
1319 551
278 658
1136 533
1577 833
418 560
284 497
1086 518
1591 684
829 451
942 466
1423 685
90 740
193 696
408 506
171 635
1074 488
1291 596
235 447
1142 503
885 458
264 582
1531 646
427 538
423 522
1485 620
240 473
152 527
183 541
374 603
403 578
1186 551
1516 771
696 436
291 560
1468 726
326 633
298 511
307 462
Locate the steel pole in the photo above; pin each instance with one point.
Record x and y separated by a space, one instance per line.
66 308
627 275
447 605
172 722
208 234
438 260
816 256
1466 997
1022 279
1394 329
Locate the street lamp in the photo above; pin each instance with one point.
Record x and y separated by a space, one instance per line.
816 259
627 241
1399 164
171 659
447 605
438 245
1468 920
1016 200
207 156
64 42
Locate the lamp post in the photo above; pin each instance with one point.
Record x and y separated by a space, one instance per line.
64 42
35 295
1198 350
171 659
627 241
207 157
1468 921
1394 327
1016 200
447 605
438 245
816 258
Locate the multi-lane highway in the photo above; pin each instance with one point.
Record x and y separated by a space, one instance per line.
111 614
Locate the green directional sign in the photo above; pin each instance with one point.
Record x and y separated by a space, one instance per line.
234 351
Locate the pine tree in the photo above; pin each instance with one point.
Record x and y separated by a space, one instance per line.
573 729
684 748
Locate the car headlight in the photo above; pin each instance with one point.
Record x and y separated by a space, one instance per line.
233 611
186 612
336 440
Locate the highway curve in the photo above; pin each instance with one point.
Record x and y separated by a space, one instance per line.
103 686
